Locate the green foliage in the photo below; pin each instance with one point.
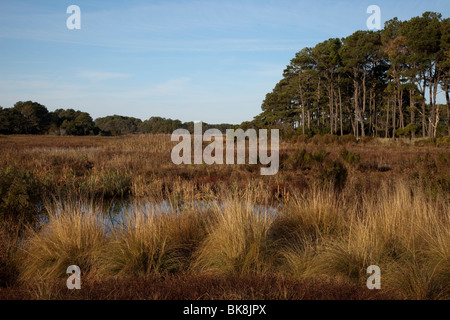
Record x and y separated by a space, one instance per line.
301 159
349 156
343 86
117 125
407 131
72 122
325 139
20 195
443 142
333 174
109 183
11 121
160 125
36 118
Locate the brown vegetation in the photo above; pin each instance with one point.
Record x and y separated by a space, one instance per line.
309 232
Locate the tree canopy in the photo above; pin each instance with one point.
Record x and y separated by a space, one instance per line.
379 83
33 118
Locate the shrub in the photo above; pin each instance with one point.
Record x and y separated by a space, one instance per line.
300 160
443 142
333 174
302 138
350 157
346 139
366 139
20 195
305 160
325 139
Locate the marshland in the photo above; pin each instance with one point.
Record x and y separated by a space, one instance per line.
141 227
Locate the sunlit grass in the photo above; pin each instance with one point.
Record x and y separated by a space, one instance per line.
392 210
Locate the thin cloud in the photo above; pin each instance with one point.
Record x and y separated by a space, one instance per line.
101 75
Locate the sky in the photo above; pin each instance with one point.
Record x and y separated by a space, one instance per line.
205 60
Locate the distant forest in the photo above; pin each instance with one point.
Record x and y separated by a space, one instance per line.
372 83
33 118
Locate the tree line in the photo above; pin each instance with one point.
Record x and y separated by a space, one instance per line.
379 83
33 118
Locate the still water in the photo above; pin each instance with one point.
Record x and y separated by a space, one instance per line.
117 213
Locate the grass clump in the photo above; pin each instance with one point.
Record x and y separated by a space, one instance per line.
152 242
315 215
237 243
73 235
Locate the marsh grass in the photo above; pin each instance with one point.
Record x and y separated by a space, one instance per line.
327 221
73 235
153 242
9 252
315 235
237 242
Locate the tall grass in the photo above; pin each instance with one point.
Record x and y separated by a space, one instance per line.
400 231
154 242
73 235
9 252
314 235
238 242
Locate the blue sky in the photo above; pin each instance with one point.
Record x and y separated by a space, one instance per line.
190 60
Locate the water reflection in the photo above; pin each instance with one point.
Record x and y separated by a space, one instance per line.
118 213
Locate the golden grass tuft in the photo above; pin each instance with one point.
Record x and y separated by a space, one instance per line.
237 242
73 235
154 242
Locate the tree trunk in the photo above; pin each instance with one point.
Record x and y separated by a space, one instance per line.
394 116
437 77
361 116
302 101
447 99
387 118
424 120
357 113
400 106
432 104
340 109
330 101
412 110
309 119
422 93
